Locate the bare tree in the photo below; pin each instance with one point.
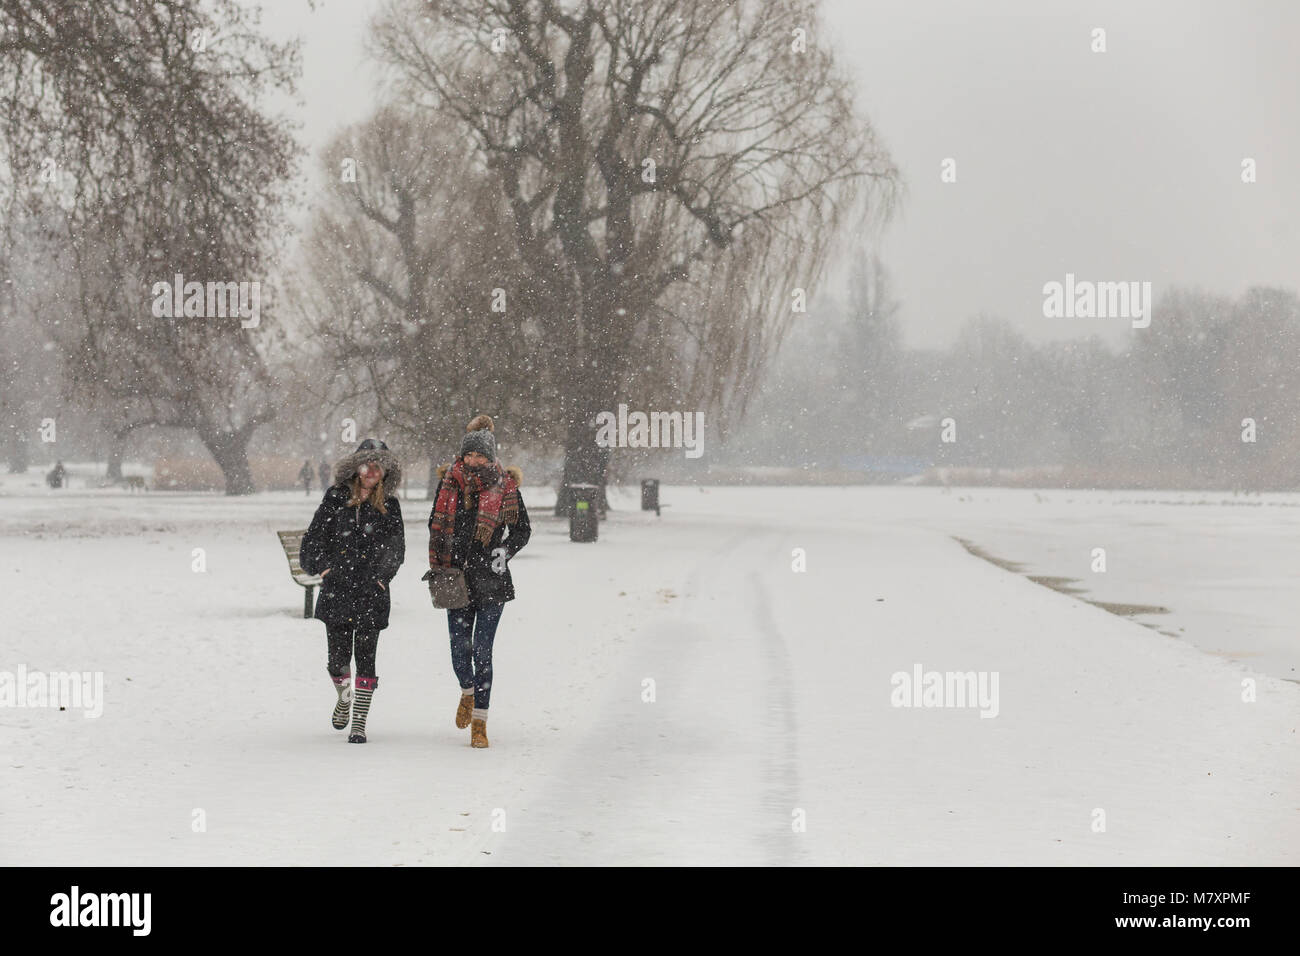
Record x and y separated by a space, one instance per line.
674 169
1262 383
1177 362
1208 364
131 128
392 288
869 355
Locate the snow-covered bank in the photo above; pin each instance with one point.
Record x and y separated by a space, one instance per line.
1227 567
772 691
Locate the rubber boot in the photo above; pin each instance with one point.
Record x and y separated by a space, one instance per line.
343 685
361 707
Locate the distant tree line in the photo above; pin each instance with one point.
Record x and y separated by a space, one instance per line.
1207 396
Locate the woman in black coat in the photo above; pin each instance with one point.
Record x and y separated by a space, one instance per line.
478 524
356 543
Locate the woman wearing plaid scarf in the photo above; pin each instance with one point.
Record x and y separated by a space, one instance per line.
478 524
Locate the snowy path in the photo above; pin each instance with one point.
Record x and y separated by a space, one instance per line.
772 694
706 771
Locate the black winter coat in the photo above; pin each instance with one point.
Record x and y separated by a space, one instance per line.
486 585
360 547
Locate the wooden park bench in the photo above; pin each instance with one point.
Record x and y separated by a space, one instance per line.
291 541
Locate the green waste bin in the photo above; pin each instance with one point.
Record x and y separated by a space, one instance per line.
583 521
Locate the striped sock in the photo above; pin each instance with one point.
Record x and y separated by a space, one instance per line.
343 684
480 713
361 705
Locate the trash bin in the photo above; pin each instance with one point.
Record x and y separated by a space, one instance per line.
582 520
650 495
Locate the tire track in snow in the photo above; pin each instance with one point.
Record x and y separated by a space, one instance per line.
643 789
779 729
781 748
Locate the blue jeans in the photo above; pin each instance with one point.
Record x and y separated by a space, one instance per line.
472 631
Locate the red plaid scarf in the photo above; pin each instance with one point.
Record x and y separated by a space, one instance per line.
497 502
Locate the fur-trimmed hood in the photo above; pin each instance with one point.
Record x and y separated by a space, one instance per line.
346 468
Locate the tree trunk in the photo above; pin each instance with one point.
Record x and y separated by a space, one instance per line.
230 452
115 451
584 463
18 453
595 372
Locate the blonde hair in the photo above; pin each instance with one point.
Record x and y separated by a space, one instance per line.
376 496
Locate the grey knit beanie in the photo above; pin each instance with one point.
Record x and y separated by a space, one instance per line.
481 441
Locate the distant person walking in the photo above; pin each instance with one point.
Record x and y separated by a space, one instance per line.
305 474
324 475
56 475
478 524
356 543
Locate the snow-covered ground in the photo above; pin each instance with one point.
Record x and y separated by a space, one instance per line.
772 688
1226 568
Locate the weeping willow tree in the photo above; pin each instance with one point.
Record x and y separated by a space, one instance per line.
673 169
133 140
391 288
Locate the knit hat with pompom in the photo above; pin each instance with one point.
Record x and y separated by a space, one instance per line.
479 438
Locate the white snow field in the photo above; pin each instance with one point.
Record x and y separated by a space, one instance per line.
771 738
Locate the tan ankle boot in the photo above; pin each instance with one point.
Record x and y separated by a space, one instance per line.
478 732
464 709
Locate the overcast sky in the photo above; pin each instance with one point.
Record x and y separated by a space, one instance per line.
1123 165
